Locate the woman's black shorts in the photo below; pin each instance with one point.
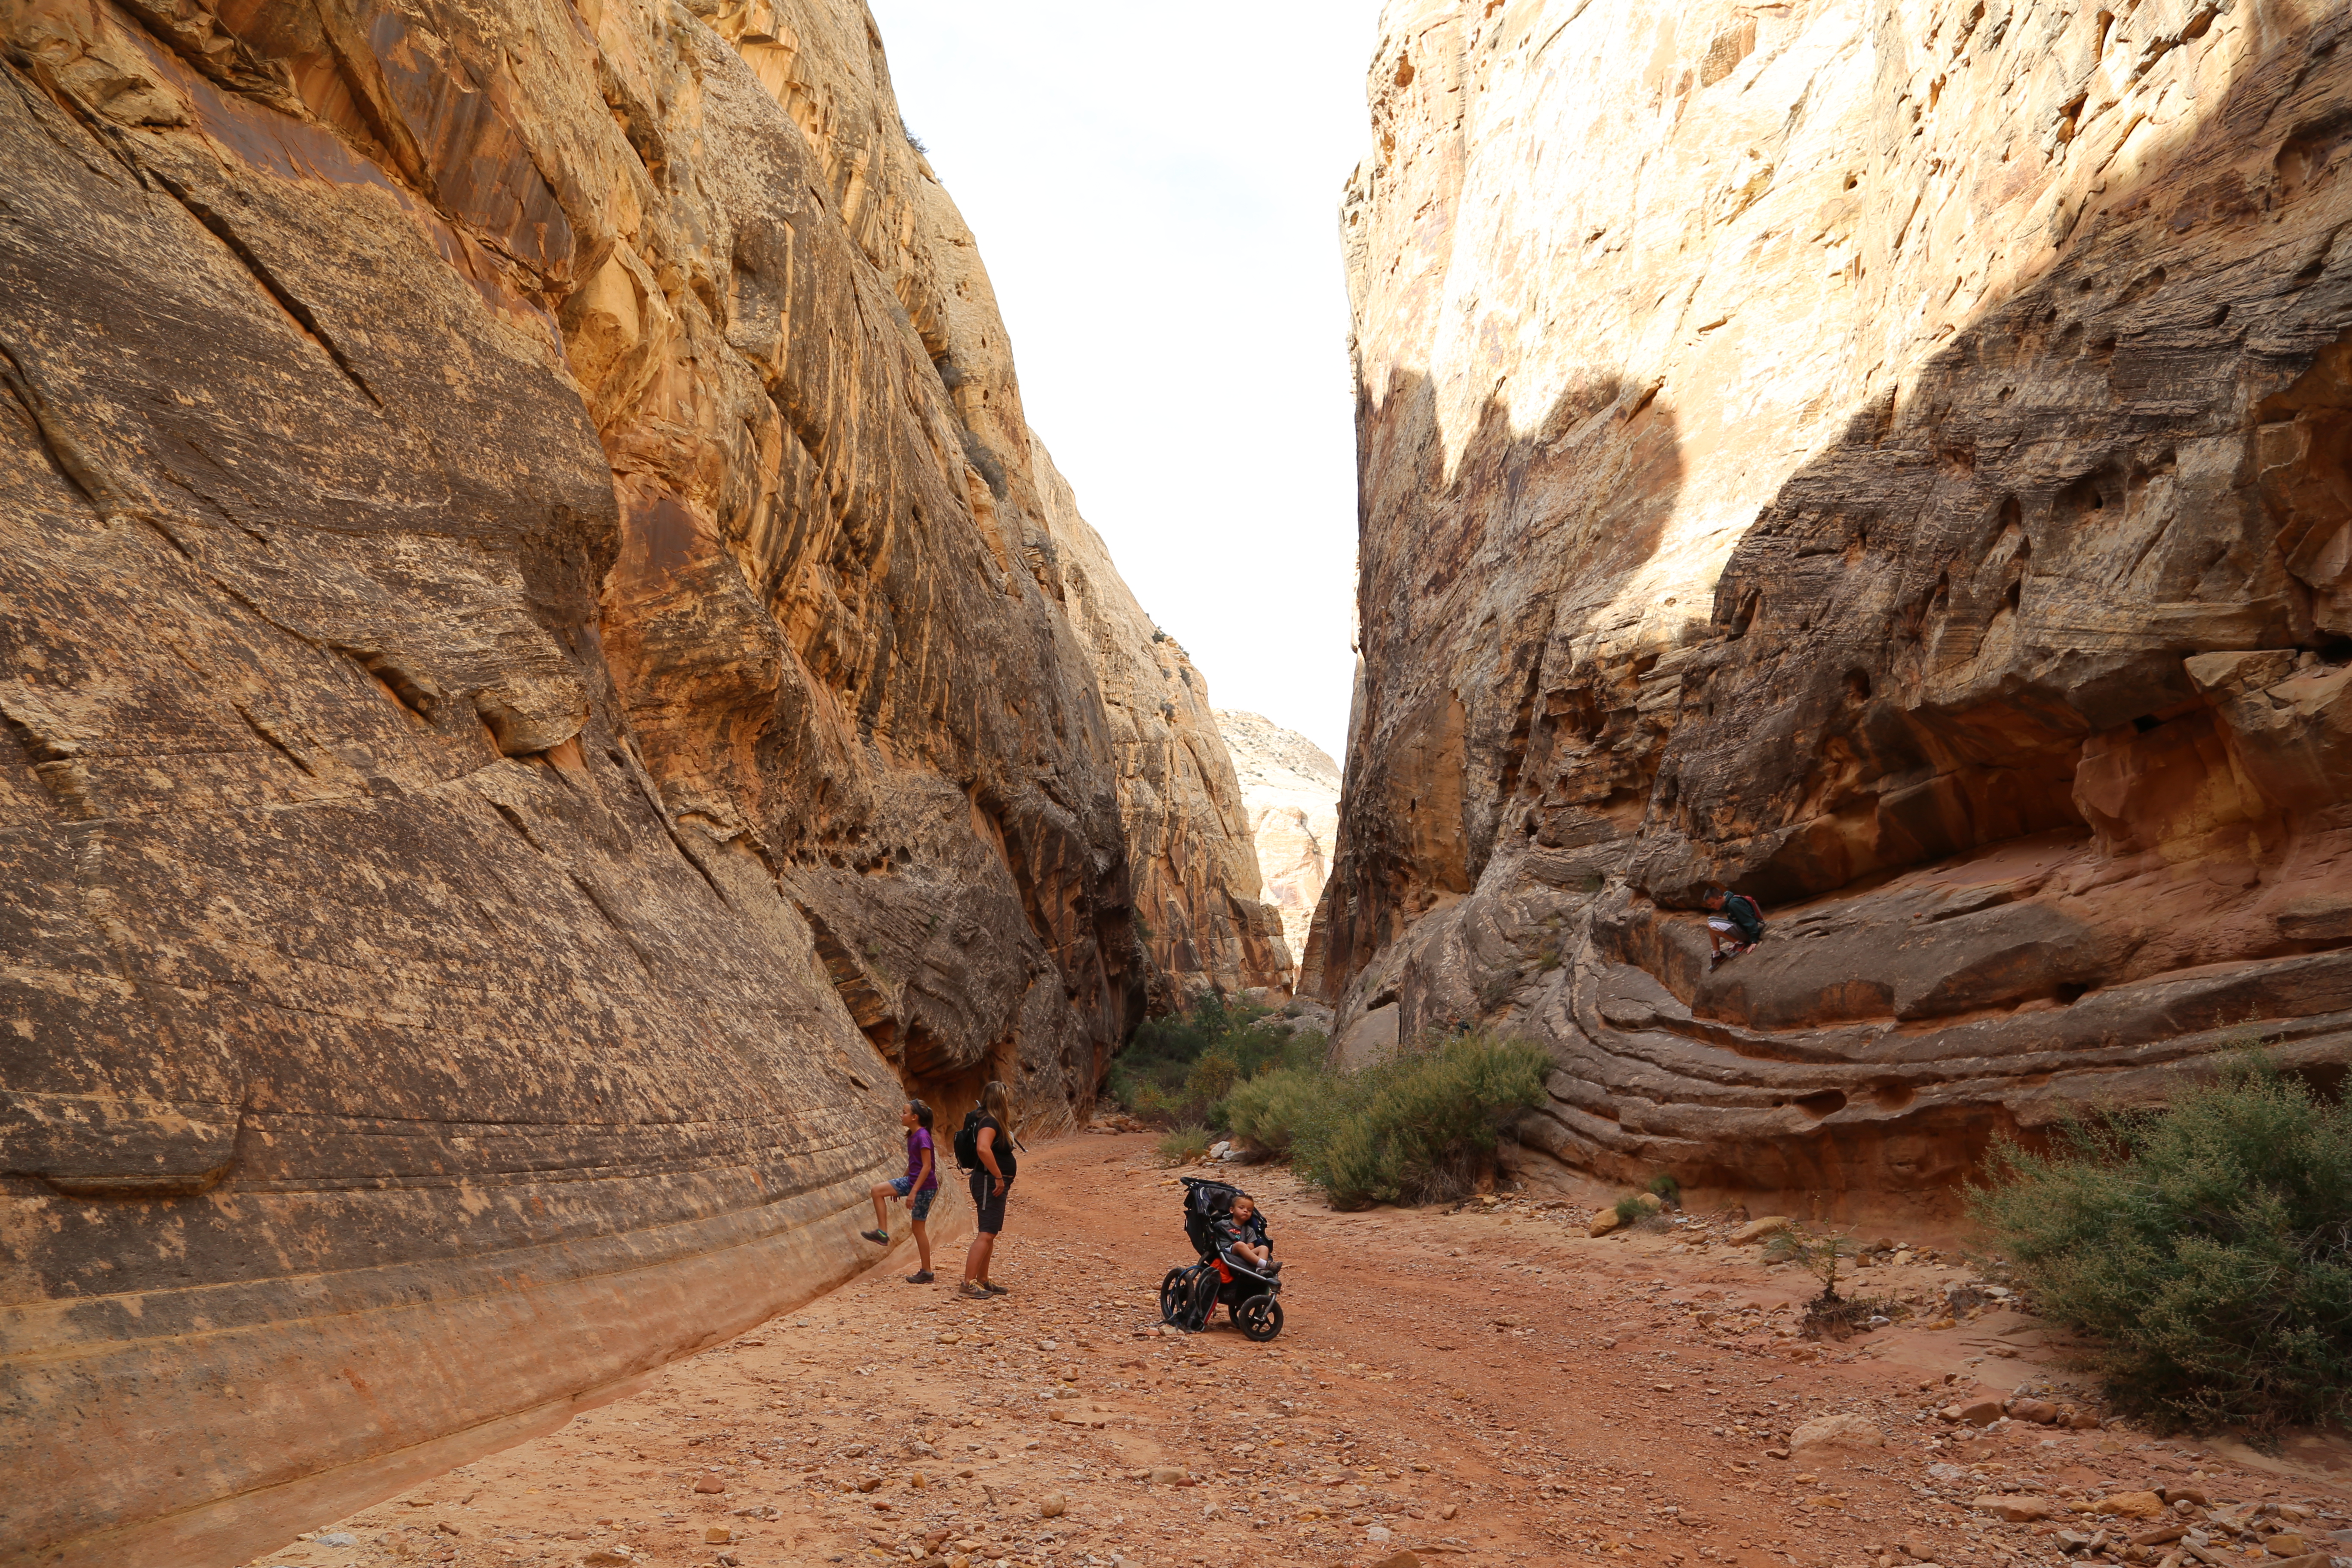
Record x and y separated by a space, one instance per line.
987 1202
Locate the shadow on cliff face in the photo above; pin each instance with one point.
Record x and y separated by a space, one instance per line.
1969 621
1524 538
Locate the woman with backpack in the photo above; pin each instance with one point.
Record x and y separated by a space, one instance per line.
985 1148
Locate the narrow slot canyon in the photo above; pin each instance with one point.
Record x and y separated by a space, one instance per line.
553 683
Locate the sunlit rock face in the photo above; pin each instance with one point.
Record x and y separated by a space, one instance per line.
1188 821
537 696
1290 786
1890 457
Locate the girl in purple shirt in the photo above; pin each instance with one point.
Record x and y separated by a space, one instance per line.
918 1187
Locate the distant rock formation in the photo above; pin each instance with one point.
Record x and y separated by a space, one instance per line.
537 697
1188 821
1291 788
1893 459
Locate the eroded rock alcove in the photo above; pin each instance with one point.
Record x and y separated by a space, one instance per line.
1887 457
539 690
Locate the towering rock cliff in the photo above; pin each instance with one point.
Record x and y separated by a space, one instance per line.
1890 456
538 693
1290 786
1187 825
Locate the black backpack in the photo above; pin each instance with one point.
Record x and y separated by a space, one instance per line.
967 1140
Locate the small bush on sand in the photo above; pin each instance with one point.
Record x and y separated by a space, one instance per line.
1818 1256
1669 1191
1417 1127
2208 1247
1182 1145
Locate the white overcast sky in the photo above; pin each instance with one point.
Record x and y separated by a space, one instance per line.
1156 193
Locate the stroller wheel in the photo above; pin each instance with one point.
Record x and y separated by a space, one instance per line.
1171 1296
1260 1318
1202 1303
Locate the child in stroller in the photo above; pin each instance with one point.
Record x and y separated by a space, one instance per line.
1236 1264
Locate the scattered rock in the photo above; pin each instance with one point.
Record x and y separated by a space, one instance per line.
2037 1410
338 1538
608 1557
710 1485
1757 1229
717 1535
1602 1222
2287 1544
1166 1475
1053 1505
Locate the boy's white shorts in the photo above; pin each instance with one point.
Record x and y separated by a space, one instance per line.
1718 923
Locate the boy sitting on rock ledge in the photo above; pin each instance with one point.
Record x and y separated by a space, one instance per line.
1732 915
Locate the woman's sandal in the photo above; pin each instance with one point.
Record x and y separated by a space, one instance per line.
993 1288
974 1291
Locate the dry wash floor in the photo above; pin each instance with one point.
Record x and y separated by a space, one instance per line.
1477 1388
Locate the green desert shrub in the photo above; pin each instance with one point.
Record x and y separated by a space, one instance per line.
1180 1066
1181 1145
1274 1109
1418 1126
2207 1247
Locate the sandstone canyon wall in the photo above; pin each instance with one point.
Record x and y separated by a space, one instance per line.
1890 455
1290 787
535 691
1188 824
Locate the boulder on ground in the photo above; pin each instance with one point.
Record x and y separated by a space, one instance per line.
2133 1505
1757 1229
1842 1431
2020 1509
1602 1222
1975 1412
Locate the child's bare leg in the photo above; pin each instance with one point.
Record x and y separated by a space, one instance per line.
923 1247
881 1193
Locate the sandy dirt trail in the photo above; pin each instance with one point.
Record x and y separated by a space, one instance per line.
1471 1387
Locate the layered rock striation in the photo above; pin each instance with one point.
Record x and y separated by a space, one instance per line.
537 697
1290 787
1890 458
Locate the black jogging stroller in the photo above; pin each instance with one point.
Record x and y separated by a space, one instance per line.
1189 1296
